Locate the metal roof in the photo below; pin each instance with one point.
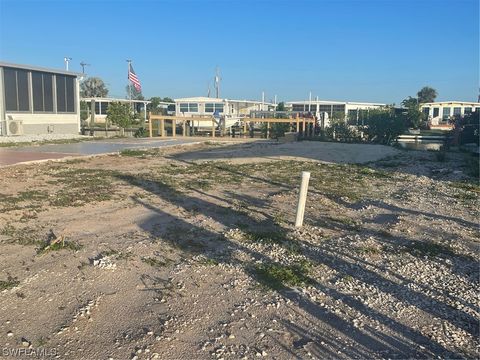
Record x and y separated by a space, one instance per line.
39 68
204 99
326 102
451 102
99 99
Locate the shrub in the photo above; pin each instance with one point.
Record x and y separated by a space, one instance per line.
340 130
383 125
120 114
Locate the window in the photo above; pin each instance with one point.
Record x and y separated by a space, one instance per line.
65 86
436 112
457 111
477 109
446 113
212 107
298 107
16 89
188 107
468 110
193 107
325 108
426 111
42 92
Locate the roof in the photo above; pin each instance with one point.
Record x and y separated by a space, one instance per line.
199 99
99 99
218 100
38 68
328 102
451 102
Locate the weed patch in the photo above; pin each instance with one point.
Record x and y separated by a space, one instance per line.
10 283
277 276
155 262
134 153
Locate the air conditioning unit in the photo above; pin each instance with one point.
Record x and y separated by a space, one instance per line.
15 127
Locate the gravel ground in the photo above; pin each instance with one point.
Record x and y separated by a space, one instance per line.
163 255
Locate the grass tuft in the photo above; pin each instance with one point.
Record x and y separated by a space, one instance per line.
277 276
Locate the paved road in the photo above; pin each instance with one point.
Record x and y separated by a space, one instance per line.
16 155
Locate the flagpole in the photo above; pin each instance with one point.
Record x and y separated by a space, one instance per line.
129 82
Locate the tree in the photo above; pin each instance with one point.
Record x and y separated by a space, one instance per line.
426 94
384 125
281 106
409 102
415 116
120 114
167 99
93 87
136 94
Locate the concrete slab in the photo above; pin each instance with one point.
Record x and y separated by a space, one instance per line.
17 155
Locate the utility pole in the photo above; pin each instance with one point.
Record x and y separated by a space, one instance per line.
66 60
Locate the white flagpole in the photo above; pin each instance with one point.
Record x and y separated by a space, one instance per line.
129 82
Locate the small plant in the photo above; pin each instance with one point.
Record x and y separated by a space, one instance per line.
278 276
155 262
58 244
369 250
11 282
133 152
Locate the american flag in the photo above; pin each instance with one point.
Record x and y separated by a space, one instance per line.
134 79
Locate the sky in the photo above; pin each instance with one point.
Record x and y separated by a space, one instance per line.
352 50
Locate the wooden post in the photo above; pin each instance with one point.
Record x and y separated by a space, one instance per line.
92 115
184 125
162 127
244 128
302 198
150 127
174 128
304 134
213 128
298 124
268 129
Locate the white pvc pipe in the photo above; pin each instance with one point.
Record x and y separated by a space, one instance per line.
302 198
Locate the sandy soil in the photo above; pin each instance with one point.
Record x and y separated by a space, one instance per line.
162 254
306 150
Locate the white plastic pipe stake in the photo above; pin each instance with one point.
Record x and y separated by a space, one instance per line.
302 198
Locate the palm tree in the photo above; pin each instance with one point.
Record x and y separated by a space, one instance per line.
93 87
426 95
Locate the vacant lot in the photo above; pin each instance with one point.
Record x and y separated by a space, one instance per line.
191 253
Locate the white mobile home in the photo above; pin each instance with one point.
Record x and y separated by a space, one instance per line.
441 112
101 106
231 110
326 109
37 100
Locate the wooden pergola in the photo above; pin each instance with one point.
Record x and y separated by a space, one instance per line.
173 119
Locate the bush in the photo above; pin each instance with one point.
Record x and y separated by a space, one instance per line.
120 114
340 130
140 132
383 125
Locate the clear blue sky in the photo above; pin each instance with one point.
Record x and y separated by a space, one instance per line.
357 50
